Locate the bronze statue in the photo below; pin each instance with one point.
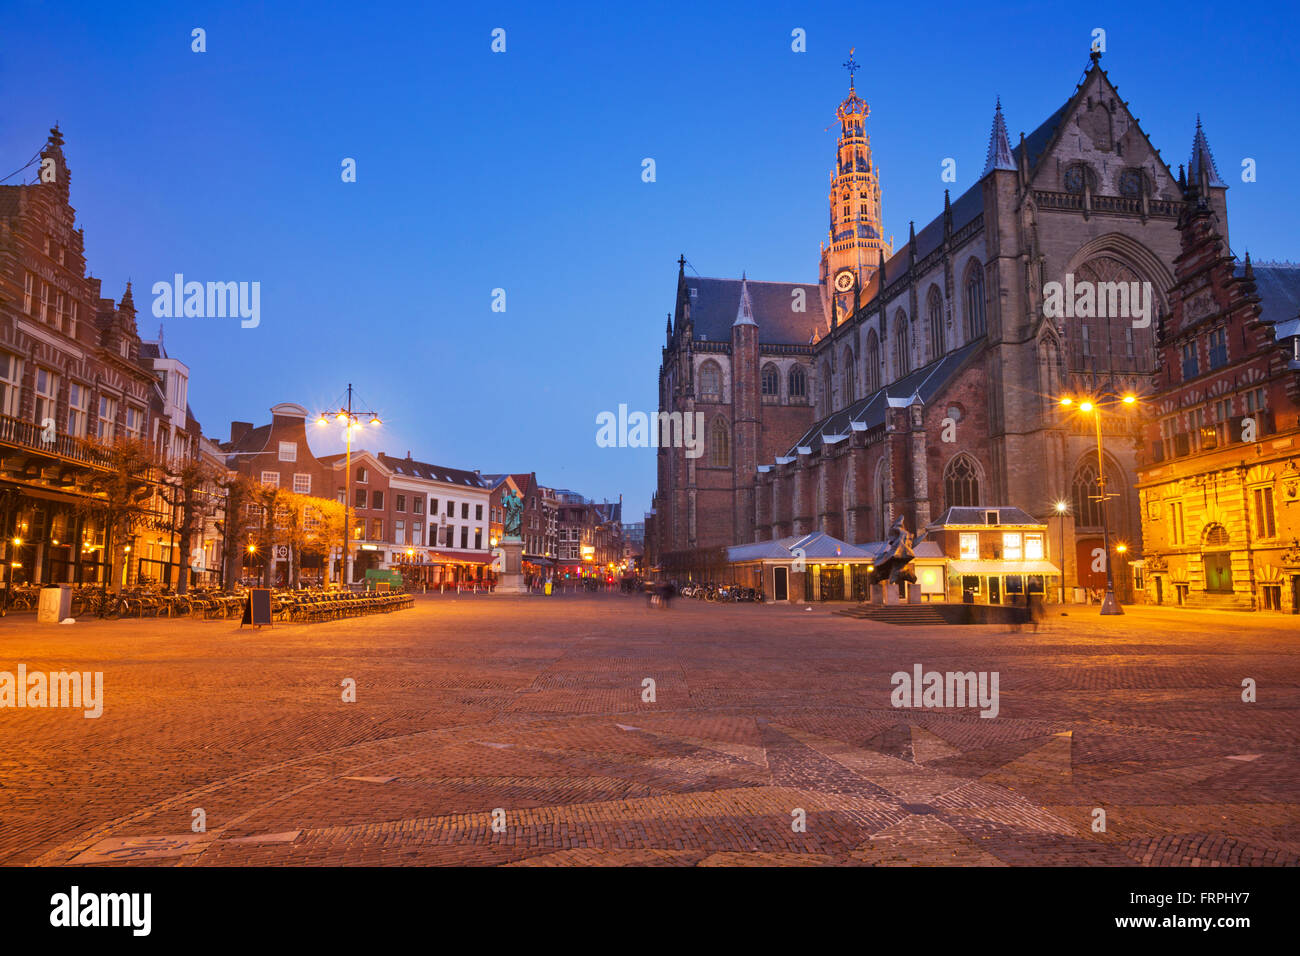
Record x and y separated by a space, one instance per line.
898 555
514 511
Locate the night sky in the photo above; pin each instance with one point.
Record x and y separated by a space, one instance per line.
522 171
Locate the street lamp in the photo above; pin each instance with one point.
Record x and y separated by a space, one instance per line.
1061 510
1109 604
350 419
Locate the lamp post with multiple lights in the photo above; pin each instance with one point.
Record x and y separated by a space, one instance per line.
349 418
1109 604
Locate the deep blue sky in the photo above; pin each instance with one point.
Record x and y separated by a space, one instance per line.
523 170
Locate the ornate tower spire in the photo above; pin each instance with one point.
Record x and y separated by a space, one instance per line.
999 154
745 312
1201 167
856 243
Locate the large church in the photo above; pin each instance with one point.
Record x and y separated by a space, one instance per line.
911 380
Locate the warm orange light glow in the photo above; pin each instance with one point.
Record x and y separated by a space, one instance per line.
375 421
1121 548
1061 507
18 540
1085 406
322 420
1067 401
1130 399
341 418
252 549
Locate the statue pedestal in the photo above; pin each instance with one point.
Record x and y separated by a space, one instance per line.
891 593
511 579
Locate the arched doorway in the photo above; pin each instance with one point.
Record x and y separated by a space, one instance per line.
1216 557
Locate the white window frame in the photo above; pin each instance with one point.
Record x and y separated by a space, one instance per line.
77 409
968 545
301 483
106 423
11 385
271 478
1035 547
289 451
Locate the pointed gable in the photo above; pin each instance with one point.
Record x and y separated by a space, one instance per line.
1095 129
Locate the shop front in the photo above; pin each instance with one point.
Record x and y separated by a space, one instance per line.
810 567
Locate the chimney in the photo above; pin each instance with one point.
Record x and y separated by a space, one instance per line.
238 430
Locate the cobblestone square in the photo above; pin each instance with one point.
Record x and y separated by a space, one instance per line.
516 731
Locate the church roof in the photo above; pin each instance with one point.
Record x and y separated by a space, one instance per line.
1278 288
969 205
870 412
715 304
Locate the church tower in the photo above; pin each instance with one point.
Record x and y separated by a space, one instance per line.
855 247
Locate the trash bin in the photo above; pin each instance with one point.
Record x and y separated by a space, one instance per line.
55 604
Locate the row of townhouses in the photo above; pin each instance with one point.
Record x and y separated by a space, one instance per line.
106 476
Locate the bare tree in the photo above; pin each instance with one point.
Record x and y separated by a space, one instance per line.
239 522
123 498
189 490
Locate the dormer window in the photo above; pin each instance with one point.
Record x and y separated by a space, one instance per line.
362 475
990 517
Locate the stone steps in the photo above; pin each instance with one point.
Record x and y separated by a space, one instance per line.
905 615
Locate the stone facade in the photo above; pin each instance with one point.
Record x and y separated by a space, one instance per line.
74 379
904 430
1220 464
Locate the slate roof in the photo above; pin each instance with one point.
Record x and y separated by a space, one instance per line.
869 412
966 207
252 442
816 546
1278 288
715 303
1007 514
421 469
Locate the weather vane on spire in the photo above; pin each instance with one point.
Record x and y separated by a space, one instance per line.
851 65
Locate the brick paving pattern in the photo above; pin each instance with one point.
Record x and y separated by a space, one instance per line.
533 707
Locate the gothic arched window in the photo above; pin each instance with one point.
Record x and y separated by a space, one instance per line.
719 443
873 362
937 344
1086 490
771 381
975 322
902 348
711 381
961 482
798 382
828 390
850 383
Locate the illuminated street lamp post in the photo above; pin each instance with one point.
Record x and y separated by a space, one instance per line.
1061 509
1109 604
349 418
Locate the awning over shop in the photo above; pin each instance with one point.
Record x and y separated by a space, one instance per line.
1003 567
456 557
539 560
